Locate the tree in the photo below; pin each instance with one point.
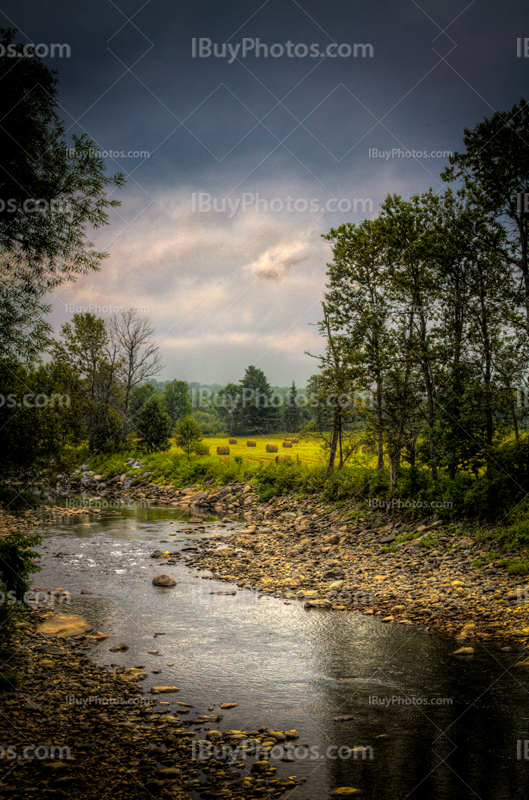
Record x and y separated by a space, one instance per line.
176 400
138 398
495 171
291 415
37 420
85 347
140 357
249 406
50 195
188 435
153 425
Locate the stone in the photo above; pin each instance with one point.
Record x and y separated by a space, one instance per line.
464 651
118 648
164 689
64 625
163 580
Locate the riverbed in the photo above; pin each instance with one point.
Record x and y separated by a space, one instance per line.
431 725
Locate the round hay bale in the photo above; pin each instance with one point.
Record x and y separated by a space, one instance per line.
223 451
251 444
232 441
271 448
295 441
287 444
282 459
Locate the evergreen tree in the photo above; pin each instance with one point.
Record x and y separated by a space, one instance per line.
291 415
153 425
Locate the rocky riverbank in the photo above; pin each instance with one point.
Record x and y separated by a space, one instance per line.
428 572
69 728
431 574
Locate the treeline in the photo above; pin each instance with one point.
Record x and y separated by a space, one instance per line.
426 312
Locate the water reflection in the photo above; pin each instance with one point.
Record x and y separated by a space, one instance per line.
287 667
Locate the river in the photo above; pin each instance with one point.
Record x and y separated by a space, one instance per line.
433 725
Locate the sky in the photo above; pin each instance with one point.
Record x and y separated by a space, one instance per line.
245 131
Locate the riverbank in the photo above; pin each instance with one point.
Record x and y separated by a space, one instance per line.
71 728
431 572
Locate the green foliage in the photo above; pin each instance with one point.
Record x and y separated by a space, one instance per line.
17 561
176 400
43 245
153 425
188 435
37 421
249 407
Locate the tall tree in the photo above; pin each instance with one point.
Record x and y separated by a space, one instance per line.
176 400
495 171
140 356
291 415
51 194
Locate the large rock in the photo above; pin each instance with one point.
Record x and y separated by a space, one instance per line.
163 580
64 625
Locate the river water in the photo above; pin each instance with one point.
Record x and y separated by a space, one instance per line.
433 726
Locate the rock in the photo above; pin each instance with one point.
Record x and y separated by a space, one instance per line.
344 718
345 790
334 539
464 651
387 539
163 580
334 575
164 689
228 705
64 625
260 766
118 648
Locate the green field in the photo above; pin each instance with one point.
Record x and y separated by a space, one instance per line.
308 451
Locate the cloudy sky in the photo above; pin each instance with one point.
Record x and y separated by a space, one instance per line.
248 129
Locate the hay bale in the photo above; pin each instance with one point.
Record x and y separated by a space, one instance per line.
232 441
295 441
223 451
251 444
271 448
282 459
287 444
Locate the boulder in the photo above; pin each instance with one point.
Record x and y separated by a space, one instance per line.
163 580
64 625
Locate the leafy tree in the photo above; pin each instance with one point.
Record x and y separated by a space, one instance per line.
86 348
176 400
188 435
494 170
51 195
138 398
153 425
37 420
